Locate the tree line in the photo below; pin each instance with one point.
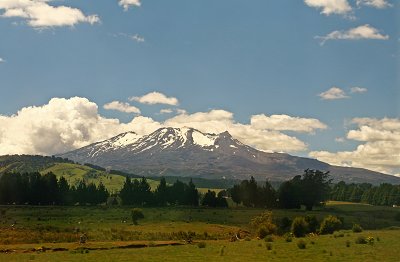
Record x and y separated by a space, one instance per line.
37 189
310 189
382 195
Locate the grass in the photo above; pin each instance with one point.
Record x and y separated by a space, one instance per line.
109 228
324 249
75 173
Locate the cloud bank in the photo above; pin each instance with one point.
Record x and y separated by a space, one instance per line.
66 124
379 149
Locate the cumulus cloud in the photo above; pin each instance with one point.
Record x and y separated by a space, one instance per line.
380 148
286 123
122 107
380 4
329 7
66 124
155 98
128 3
361 32
357 89
41 14
217 121
333 93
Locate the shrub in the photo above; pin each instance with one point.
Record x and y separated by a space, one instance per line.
136 214
329 225
301 244
361 240
313 224
288 237
269 238
268 246
284 225
263 224
336 235
357 228
299 227
262 232
201 244
347 243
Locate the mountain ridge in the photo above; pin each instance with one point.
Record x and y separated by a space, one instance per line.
189 152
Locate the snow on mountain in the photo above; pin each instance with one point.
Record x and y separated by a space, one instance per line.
189 152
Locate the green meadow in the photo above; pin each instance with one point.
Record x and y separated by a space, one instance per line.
52 234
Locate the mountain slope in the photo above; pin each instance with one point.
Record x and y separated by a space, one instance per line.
189 152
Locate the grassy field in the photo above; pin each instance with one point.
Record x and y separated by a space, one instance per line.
75 173
113 237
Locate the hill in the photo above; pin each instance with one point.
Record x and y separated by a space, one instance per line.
73 172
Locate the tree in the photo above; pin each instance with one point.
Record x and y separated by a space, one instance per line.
192 195
161 193
136 214
209 199
315 186
126 192
235 194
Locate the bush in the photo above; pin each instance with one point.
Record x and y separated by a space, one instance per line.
301 244
136 214
201 244
299 227
268 246
288 237
264 225
361 240
284 225
313 224
347 243
329 225
336 235
269 238
357 228
262 232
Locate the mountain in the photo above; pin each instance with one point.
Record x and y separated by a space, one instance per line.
188 152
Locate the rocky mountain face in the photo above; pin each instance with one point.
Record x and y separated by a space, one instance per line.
189 152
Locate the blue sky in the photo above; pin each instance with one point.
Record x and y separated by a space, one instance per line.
245 57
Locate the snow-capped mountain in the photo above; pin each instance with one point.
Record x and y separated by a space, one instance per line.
189 152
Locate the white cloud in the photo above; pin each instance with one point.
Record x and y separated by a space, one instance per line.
127 3
40 14
361 32
59 126
217 121
122 107
329 7
138 38
155 98
380 148
66 124
286 123
357 89
2 60
374 3
333 93
166 111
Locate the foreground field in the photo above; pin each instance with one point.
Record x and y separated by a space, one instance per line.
318 248
52 233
